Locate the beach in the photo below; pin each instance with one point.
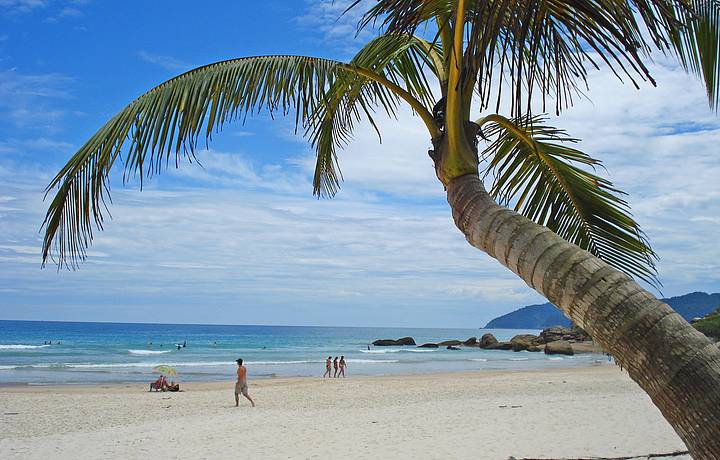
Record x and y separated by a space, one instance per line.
551 413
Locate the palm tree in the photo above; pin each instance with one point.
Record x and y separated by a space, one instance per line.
569 235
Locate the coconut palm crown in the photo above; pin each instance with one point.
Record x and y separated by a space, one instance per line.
457 63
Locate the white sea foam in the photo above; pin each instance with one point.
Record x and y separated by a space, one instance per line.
519 359
380 352
395 350
555 358
20 347
480 360
277 363
148 365
148 352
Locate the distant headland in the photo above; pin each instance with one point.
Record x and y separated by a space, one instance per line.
689 306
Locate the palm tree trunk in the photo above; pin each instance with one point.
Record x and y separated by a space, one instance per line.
676 365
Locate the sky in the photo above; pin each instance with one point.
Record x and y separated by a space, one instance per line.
240 239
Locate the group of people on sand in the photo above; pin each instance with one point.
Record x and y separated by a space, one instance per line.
161 384
338 365
241 384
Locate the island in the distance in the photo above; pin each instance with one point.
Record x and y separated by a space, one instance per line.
689 306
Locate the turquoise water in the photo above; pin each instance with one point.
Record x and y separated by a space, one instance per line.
113 352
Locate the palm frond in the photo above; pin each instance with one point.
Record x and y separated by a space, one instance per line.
535 169
519 49
166 124
698 45
402 60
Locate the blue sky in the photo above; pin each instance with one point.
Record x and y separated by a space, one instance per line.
241 239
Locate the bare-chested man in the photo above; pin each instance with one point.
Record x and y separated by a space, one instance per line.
241 386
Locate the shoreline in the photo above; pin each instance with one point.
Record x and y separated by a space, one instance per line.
201 384
264 378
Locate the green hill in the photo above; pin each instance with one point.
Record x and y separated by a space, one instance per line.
693 305
710 325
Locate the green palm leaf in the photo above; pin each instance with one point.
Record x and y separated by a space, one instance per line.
522 48
166 124
535 171
698 44
402 60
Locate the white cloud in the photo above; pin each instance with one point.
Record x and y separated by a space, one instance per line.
25 99
337 27
21 6
166 62
59 9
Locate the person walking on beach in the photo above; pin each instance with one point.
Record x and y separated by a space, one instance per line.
342 366
241 386
335 365
328 363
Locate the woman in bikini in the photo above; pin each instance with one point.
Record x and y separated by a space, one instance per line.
342 366
335 365
328 363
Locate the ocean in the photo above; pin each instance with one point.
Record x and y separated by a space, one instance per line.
48 352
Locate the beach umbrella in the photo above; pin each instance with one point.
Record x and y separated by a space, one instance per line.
167 370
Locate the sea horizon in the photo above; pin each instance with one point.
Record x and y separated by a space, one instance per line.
71 352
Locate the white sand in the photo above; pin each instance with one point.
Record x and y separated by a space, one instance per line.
595 411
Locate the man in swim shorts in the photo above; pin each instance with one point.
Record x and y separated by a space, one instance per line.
241 386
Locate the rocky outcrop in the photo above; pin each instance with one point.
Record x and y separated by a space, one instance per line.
585 347
451 347
523 342
535 348
428 345
559 347
391 342
471 342
500 346
450 343
487 340
553 334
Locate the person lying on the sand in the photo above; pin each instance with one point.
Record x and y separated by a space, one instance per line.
173 386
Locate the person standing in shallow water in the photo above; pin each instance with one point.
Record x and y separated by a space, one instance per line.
241 386
335 365
328 363
342 366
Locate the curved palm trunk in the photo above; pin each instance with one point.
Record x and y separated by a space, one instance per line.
676 365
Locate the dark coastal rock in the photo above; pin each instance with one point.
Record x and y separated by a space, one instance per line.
391 342
553 334
522 342
585 347
487 340
450 347
428 345
450 342
471 342
535 348
559 347
501 346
